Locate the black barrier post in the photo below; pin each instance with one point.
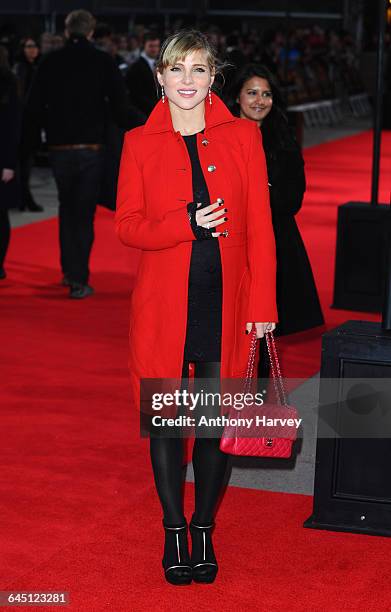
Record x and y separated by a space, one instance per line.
361 268
377 124
386 314
352 489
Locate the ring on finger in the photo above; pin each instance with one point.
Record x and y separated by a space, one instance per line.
207 225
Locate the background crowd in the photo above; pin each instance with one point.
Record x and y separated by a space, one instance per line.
308 63
311 62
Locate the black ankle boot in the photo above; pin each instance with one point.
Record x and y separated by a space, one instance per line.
176 559
203 560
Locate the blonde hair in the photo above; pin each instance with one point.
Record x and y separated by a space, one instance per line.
181 44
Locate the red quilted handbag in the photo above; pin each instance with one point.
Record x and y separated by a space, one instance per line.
273 427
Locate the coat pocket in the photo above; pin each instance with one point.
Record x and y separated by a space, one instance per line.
234 239
241 346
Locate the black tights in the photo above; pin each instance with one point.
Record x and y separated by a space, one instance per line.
5 232
209 464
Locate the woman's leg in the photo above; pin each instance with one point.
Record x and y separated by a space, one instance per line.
210 468
5 232
167 464
209 462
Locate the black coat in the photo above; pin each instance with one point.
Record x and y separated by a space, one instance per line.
10 121
71 92
142 87
297 297
25 72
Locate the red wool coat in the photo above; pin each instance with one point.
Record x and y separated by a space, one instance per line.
154 187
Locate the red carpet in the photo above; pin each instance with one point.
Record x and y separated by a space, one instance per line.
79 512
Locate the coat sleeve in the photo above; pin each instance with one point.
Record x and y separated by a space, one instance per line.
261 250
287 191
131 223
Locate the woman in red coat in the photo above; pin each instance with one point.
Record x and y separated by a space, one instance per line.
193 196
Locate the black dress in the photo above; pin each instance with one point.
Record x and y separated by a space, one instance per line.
204 315
298 303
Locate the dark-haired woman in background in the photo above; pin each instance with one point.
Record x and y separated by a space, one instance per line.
24 70
256 96
9 130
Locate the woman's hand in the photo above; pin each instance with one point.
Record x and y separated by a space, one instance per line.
7 175
261 328
207 218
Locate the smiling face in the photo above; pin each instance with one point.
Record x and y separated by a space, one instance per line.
255 99
186 83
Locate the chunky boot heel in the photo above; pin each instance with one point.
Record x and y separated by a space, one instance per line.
176 560
203 560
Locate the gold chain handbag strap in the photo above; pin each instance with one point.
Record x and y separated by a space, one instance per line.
274 365
251 362
276 370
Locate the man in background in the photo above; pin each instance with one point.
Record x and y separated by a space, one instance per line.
71 93
141 77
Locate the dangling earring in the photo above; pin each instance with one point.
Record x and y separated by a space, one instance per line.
163 97
210 96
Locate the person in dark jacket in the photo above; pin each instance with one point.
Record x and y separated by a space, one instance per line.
25 70
26 66
10 114
257 97
141 77
70 95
